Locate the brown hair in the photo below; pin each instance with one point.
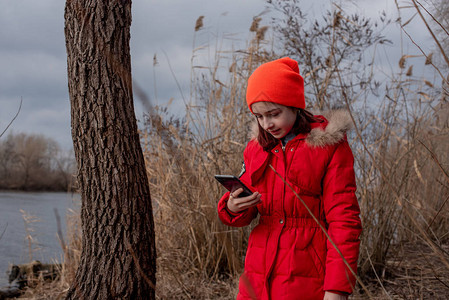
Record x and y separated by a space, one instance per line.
302 125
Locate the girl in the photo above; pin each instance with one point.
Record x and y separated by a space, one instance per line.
288 255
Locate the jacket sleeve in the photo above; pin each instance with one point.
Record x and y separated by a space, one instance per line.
343 217
242 218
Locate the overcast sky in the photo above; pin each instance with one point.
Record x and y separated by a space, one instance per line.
33 55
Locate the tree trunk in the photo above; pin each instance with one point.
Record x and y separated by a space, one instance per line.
118 259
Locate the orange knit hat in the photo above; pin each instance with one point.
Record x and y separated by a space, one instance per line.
276 81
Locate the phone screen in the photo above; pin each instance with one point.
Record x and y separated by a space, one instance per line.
232 183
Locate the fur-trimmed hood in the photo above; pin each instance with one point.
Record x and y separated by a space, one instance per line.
339 121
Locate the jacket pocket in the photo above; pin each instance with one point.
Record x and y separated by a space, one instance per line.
305 183
318 251
302 260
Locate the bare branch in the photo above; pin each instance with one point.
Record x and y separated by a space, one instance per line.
20 106
431 32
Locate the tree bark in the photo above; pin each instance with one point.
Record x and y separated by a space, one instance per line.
118 259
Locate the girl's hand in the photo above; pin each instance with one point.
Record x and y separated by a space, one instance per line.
236 204
333 296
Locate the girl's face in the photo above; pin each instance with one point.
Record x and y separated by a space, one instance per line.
275 118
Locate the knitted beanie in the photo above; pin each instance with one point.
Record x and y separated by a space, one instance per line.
276 81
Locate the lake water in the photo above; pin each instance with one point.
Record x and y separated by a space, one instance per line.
14 245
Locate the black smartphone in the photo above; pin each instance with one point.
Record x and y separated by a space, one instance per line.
232 183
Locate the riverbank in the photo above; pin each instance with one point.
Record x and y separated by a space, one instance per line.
29 227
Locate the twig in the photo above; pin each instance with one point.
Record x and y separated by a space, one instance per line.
176 79
375 273
61 236
420 49
438 212
20 106
436 160
436 21
431 32
4 230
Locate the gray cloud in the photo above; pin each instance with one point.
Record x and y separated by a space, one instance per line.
33 57
35 26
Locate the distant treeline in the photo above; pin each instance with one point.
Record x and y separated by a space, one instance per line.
35 163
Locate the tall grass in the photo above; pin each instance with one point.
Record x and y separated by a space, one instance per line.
400 145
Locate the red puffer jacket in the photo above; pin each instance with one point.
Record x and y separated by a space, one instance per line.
288 255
